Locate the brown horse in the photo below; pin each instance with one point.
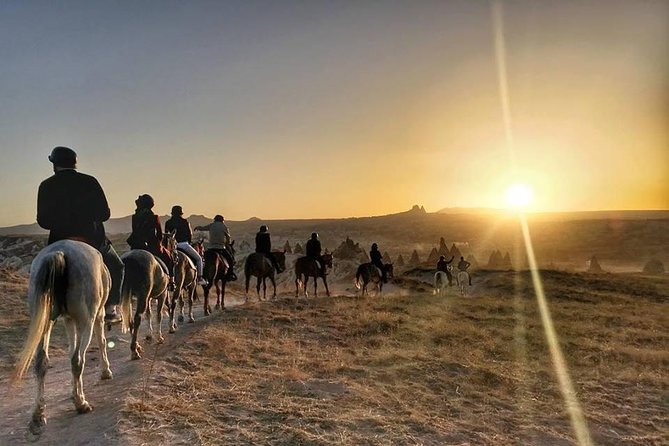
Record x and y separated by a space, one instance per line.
185 276
371 273
307 267
216 270
259 265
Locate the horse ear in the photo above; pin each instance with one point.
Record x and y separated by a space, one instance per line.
173 232
233 243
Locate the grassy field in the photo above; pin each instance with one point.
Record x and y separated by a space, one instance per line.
418 369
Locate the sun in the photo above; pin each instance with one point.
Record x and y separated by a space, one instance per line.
519 196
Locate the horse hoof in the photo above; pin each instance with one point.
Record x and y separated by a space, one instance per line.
106 374
191 320
218 306
84 407
161 340
181 318
172 330
140 349
149 338
136 355
36 426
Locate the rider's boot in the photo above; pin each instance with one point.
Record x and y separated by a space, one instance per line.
171 285
231 275
202 281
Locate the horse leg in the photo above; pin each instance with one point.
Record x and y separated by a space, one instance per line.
78 361
172 310
271 277
191 291
223 294
297 286
247 279
181 307
102 346
315 286
206 289
327 290
159 316
306 286
218 296
135 348
149 322
38 421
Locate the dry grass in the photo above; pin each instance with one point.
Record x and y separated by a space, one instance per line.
419 369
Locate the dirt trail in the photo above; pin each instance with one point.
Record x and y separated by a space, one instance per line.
64 425
101 427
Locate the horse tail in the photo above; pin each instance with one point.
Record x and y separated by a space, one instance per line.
357 277
50 273
131 266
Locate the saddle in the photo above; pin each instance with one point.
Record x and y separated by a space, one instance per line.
188 257
161 263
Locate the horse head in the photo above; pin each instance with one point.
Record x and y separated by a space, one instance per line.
170 243
199 246
327 259
280 257
389 270
232 249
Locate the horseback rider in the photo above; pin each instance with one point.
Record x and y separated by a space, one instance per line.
462 266
264 246
314 251
184 237
442 265
147 234
377 260
219 242
72 205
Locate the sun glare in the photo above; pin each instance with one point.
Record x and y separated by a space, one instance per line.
519 196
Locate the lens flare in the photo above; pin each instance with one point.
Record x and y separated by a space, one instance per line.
519 196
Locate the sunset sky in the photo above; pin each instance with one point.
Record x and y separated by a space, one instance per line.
282 109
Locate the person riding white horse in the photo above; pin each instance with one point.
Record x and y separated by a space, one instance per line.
72 205
184 236
463 265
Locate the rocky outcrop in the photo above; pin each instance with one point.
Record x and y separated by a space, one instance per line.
433 258
654 266
348 249
594 266
414 260
298 249
455 252
399 261
288 248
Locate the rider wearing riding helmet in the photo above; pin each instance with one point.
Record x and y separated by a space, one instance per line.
72 205
314 250
462 266
184 237
377 260
147 234
264 246
219 241
442 265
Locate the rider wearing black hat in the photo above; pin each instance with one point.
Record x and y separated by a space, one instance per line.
72 205
184 237
264 245
376 258
314 250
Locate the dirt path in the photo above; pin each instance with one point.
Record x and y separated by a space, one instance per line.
100 427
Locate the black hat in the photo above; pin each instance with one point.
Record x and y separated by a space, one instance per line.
264 228
176 210
63 157
314 235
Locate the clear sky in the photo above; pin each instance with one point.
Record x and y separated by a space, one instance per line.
302 109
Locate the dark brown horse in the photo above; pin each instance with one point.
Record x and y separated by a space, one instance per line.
371 273
307 267
259 265
216 270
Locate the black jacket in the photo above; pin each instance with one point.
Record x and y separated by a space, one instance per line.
72 205
442 265
184 232
146 231
263 243
314 248
376 257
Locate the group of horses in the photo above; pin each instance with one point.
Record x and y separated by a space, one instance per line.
68 278
441 282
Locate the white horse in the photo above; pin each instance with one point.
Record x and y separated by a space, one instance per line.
463 282
69 279
440 283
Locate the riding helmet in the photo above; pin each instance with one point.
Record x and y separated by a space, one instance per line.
177 210
375 246
264 228
63 157
218 217
314 235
